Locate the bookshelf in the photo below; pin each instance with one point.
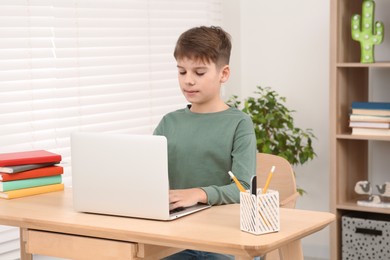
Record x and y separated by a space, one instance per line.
350 81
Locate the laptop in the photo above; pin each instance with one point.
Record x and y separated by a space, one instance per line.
123 175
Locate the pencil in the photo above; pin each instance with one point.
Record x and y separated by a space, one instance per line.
239 186
268 179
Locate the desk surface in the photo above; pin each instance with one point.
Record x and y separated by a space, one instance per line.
216 229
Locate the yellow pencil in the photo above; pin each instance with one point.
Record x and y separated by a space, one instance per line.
268 179
237 182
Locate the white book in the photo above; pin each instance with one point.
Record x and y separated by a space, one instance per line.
368 118
383 125
370 131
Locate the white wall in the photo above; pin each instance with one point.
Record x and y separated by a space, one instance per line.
285 45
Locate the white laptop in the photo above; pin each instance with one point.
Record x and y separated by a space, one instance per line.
124 175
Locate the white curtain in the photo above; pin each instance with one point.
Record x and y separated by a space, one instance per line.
91 65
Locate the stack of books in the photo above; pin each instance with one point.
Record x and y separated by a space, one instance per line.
370 118
29 173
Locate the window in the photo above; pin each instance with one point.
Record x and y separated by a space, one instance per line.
98 65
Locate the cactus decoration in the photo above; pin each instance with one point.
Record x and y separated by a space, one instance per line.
366 32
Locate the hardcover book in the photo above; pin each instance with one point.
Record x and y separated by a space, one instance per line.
371 105
371 112
368 118
28 157
24 167
29 183
31 191
41 172
369 124
370 131
371 108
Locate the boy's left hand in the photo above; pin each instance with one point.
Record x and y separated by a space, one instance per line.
186 197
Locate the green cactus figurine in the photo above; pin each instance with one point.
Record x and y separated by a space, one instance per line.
366 33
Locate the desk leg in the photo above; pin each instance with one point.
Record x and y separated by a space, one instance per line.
23 241
292 250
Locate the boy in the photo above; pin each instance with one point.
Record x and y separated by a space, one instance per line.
207 138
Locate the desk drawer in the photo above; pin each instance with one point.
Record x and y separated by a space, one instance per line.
77 247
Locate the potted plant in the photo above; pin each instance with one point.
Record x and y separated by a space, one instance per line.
274 127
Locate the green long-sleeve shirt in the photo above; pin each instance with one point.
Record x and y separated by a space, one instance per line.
202 148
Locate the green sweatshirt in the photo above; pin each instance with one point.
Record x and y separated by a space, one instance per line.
202 148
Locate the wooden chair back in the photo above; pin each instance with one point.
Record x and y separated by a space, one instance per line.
283 179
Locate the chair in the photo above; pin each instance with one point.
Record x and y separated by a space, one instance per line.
283 180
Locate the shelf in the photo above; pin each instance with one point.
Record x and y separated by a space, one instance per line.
354 207
384 64
351 156
363 137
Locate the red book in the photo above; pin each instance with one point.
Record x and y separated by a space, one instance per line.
28 157
41 172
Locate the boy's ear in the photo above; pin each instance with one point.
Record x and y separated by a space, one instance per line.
225 73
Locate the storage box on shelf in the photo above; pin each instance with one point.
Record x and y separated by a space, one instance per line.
365 236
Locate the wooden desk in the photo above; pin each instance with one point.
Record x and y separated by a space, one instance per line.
50 226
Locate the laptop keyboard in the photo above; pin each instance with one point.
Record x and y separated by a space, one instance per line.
176 210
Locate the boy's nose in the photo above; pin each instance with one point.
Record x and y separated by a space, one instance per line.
190 80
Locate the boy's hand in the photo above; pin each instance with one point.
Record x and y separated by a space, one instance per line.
186 197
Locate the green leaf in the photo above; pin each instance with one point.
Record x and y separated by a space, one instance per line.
274 126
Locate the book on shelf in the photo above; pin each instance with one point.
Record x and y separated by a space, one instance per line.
369 118
370 131
35 173
359 124
371 105
371 112
25 167
371 108
29 183
13 194
28 157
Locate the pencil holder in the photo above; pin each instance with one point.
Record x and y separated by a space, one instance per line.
259 214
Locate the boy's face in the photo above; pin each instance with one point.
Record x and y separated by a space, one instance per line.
201 82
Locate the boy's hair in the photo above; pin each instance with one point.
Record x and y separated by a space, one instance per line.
208 44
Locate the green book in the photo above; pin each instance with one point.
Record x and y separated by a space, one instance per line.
29 183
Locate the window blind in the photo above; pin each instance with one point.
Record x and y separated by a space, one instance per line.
98 65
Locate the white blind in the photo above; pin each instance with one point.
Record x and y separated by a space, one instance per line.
92 65
89 65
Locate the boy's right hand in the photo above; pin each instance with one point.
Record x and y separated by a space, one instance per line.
186 197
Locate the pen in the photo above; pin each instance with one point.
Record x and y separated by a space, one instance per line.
254 185
268 180
239 186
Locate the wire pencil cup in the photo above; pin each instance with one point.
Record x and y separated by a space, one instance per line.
259 214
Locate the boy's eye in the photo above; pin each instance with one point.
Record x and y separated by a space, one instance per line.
200 73
182 72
